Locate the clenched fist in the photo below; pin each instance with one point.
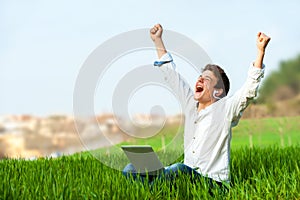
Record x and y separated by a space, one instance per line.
156 32
262 41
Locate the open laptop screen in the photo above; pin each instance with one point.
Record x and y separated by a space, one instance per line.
143 158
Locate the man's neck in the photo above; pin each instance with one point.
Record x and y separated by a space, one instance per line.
203 105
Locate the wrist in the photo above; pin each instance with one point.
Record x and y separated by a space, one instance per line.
157 40
261 51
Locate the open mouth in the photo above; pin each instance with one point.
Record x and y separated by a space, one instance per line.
199 88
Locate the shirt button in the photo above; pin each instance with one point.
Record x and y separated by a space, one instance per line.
195 122
194 137
193 151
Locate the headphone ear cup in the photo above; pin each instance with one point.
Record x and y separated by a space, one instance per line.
214 94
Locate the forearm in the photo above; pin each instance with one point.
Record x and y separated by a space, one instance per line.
160 47
261 43
259 59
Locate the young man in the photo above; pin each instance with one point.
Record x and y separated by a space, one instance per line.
209 112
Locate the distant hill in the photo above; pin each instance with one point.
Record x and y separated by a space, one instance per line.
283 84
279 108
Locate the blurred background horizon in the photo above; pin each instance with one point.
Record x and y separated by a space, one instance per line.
44 45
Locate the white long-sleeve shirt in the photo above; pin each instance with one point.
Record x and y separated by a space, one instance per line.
207 134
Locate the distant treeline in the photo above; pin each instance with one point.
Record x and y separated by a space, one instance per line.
282 84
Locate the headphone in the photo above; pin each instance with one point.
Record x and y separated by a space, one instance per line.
214 94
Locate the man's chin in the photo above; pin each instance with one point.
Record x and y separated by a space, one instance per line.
197 97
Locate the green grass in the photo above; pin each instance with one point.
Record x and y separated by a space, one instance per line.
269 170
258 173
283 131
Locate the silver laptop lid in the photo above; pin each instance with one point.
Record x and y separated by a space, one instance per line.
143 158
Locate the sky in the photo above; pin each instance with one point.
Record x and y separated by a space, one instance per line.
44 44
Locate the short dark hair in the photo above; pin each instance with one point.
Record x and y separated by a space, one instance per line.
223 81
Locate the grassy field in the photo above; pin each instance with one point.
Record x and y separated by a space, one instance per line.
283 131
268 170
259 173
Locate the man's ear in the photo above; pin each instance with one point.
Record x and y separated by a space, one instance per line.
219 92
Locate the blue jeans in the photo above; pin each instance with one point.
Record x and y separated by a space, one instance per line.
170 173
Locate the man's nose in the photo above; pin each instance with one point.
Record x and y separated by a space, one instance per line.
200 79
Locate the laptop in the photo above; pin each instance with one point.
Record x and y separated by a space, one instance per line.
143 158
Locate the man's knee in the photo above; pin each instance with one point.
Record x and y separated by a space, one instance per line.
128 169
175 168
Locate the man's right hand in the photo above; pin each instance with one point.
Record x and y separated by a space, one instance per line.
156 32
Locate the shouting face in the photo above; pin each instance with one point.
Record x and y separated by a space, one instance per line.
204 87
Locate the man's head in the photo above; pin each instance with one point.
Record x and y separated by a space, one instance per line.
212 84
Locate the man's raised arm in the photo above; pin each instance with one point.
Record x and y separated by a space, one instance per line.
168 68
156 36
261 43
241 99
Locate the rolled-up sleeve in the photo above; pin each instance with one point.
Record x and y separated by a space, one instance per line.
241 99
175 81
